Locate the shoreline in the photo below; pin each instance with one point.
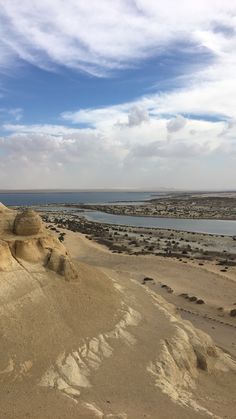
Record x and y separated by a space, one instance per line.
159 228
97 207
169 243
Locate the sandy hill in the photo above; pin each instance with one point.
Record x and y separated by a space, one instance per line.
76 343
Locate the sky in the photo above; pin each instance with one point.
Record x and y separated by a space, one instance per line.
118 94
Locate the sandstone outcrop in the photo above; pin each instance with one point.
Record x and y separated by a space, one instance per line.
7 218
25 240
6 259
27 223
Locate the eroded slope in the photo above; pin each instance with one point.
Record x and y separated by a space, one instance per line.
77 343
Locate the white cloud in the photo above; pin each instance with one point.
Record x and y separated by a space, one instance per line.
137 156
176 123
47 145
97 37
180 149
100 117
137 116
15 114
45 129
209 98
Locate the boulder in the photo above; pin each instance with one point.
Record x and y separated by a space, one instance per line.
27 223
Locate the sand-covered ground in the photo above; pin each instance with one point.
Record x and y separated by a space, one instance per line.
196 272
83 334
217 289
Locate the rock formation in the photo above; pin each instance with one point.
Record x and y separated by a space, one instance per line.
25 240
27 223
7 218
76 343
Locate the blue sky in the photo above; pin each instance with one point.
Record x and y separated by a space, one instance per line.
141 91
44 95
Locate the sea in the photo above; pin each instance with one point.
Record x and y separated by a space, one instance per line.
66 197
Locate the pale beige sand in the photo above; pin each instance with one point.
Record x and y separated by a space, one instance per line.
77 341
217 289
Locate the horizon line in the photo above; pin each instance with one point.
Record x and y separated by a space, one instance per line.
160 189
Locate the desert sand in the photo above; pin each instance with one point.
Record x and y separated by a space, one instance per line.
83 337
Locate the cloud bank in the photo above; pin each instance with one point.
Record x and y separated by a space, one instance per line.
121 155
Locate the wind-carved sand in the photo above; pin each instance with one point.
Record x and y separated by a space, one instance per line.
71 372
81 343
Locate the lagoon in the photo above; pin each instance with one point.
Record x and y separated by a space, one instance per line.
221 227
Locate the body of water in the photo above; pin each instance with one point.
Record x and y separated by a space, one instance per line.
221 227
85 197
44 198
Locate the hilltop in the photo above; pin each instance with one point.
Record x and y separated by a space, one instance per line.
81 342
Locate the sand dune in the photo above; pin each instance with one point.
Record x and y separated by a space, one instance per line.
80 342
